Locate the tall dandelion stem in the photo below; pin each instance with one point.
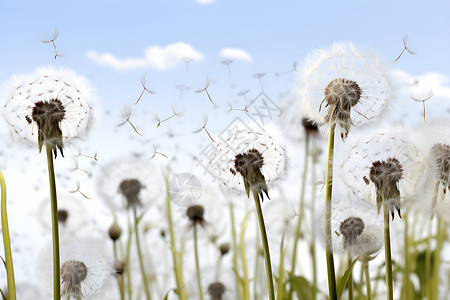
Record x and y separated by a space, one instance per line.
328 236
365 266
197 265
265 244
387 254
141 260
177 257
302 200
55 230
7 244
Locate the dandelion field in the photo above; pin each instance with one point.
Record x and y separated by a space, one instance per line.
183 175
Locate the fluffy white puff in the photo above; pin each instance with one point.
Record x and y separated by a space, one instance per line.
96 263
364 149
343 61
147 174
45 84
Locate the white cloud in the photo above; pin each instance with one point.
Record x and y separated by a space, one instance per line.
205 1
235 53
154 57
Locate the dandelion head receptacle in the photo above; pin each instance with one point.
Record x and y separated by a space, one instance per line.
342 86
195 214
50 106
216 290
440 154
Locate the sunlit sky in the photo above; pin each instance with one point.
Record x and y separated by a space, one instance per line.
177 44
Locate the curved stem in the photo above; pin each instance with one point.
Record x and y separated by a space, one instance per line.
7 244
365 266
141 260
350 281
55 230
197 265
387 254
328 236
265 243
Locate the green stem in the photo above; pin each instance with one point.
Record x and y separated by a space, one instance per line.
406 292
265 243
312 246
127 258
437 258
387 254
177 267
55 231
141 260
280 280
197 265
365 266
246 281
233 236
256 267
302 200
328 236
428 275
119 277
7 244
350 280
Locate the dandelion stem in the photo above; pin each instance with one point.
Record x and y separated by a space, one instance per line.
246 281
55 231
387 253
177 267
280 280
365 266
406 291
197 265
350 280
7 244
127 259
328 236
312 247
265 243
141 261
302 200
119 276
437 259
256 295
233 235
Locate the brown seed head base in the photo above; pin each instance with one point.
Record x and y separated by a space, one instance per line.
441 156
195 214
48 117
351 228
130 188
63 215
386 175
311 128
73 273
341 95
216 290
249 165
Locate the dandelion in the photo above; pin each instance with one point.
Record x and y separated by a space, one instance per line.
195 214
390 166
205 122
253 159
56 106
85 270
405 48
205 89
55 35
227 62
144 89
344 87
174 114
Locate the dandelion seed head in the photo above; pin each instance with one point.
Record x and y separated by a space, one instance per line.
249 160
130 188
50 106
195 214
440 154
224 248
343 86
114 231
63 215
386 174
73 273
351 228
